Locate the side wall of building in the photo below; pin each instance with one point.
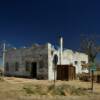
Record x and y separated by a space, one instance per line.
80 58
37 54
76 59
51 67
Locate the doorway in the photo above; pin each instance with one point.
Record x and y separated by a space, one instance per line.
34 70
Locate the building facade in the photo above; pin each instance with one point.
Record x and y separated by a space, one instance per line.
37 61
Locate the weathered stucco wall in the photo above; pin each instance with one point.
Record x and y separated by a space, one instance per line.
76 59
36 53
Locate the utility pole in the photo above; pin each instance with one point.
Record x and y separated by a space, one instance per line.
4 47
92 76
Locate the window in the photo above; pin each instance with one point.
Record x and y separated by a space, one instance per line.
41 64
7 66
83 62
76 62
52 52
27 66
16 66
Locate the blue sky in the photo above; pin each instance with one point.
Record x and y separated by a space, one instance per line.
23 22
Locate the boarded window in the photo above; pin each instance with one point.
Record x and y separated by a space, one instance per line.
7 66
27 66
16 66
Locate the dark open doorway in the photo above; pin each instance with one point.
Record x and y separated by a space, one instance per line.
34 70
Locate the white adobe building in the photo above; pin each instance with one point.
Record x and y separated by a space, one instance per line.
68 57
37 61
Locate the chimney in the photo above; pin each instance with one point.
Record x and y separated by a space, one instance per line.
61 49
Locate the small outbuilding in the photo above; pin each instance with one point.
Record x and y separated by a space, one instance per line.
66 72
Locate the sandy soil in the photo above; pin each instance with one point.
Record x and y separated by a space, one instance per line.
11 89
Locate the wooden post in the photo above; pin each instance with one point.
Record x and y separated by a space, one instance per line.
55 60
92 80
54 75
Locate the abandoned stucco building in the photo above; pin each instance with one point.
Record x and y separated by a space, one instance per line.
37 61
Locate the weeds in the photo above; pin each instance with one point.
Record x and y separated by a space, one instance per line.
52 90
1 79
34 89
28 90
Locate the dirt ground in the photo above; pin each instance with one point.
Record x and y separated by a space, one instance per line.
11 88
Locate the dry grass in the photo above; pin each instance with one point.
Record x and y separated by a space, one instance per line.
27 89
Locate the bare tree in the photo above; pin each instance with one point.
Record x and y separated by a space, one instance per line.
88 46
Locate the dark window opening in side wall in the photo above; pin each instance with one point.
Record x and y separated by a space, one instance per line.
41 64
27 66
16 66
